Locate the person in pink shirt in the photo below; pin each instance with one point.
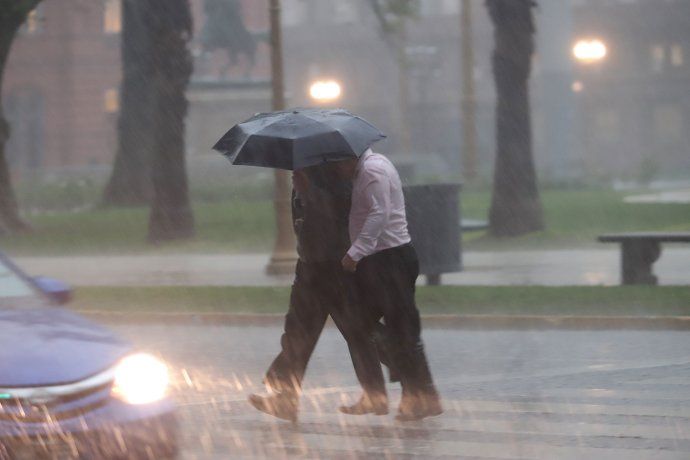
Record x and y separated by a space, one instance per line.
385 267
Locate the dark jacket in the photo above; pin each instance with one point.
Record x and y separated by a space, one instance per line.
320 217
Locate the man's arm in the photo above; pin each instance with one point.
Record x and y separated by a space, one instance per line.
378 203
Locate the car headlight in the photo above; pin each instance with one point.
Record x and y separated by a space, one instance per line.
140 379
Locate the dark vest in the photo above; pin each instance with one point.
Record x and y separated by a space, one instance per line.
320 219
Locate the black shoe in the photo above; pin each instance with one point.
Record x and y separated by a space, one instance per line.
367 405
279 405
414 408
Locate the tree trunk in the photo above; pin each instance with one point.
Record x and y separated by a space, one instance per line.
468 102
171 214
515 206
11 18
130 180
9 212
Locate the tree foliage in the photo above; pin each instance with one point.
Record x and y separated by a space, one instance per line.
515 206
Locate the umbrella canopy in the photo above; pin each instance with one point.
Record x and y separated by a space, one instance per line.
296 139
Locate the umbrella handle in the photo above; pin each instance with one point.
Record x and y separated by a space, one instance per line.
300 181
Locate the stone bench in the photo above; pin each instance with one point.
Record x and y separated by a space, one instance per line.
473 225
639 251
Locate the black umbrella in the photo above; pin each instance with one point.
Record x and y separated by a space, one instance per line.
296 139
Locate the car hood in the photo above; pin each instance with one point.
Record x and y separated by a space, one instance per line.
53 346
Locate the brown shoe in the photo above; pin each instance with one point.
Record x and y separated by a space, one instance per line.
414 408
367 405
279 405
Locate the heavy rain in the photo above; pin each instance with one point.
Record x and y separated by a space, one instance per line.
344 229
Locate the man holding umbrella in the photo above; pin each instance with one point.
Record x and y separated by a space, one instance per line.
307 141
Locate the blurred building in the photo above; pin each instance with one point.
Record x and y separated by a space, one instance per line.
625 114
343 41
634 103
61 86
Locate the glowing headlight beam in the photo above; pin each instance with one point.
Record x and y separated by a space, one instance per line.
140 379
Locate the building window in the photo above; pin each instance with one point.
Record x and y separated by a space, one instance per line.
111 100
677 58
658 58
112 16
668 124
25 111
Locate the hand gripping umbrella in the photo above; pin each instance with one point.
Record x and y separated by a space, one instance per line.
296 139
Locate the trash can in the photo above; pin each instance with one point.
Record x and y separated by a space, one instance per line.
433 219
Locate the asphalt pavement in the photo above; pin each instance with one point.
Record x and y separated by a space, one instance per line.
507 394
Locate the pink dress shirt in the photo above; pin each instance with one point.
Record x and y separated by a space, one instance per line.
377 217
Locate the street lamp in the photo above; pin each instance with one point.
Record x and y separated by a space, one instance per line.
325 90
284 257
590 50
468 102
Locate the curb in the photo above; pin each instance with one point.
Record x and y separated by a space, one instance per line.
526 322
486 322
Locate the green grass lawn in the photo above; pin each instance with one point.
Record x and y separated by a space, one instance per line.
245 224
508 300
229 226
574 218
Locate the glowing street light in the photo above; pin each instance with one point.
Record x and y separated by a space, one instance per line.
589 51
325 90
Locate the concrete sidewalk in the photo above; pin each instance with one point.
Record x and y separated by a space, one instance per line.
548 268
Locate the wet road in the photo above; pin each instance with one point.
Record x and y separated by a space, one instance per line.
508 395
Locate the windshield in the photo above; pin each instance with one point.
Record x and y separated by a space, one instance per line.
15 291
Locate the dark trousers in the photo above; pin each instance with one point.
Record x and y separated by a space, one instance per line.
385 283
319 290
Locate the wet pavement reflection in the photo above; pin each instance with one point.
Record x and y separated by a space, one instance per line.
507 394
